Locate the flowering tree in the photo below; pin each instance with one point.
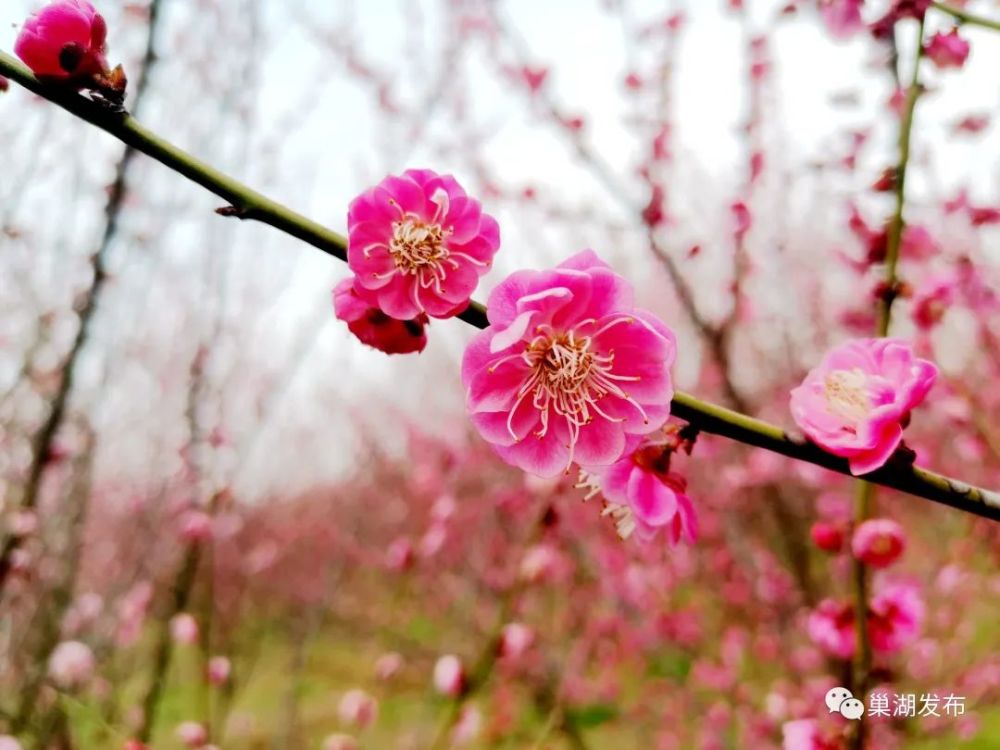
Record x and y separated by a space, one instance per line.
571 384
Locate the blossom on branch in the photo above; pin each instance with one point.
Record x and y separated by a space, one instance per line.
568 369
419 244
856 403
373 327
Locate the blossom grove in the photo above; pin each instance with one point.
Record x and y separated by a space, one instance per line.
635 406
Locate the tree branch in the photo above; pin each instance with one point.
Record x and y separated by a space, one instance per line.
898 474
965 17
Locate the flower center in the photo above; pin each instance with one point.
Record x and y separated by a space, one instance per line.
570 378
416 245
846 395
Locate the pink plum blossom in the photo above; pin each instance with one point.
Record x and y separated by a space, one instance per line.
388 665
515 640
878 542
373 327
857 401
644 495
831 627
932 298
65 40
896 614
219 669
568 369
192 734
357 709
842 17
804 734
827 536
184 629
399 556
418 244
71 664
947 50
449 676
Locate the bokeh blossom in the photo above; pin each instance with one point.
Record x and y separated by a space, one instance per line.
842 17
71 664
373 327
65 40
857 401
878 542
569 369
418 244
357 709
947 50
449 676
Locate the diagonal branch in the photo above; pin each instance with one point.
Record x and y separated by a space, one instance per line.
246 203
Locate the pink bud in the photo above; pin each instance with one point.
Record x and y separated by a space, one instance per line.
828 536
192 734
195 526
340 742
449 677
388 666
399 556
947 50
71 664
357 709
219 668
878 542
515 640
64 40
184 629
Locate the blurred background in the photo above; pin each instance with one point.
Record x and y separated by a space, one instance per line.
220 474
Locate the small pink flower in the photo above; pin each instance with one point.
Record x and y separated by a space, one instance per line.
804 734
827 536
468 726
856 402
878 542
340 742
373 327
515 640
399 556
357 709
842 17
71 664
895 616
831 627
219 669
192 734
418 245
184 629
947 50
387 666
932 298
644 495
539 562
449 676
195 526
65 40
568 368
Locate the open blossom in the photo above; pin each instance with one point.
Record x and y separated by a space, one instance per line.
373 327
643 495
418 245
878 542
357 708
856 402
842 17
64 40
895 615
947 50
71 664
568 369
